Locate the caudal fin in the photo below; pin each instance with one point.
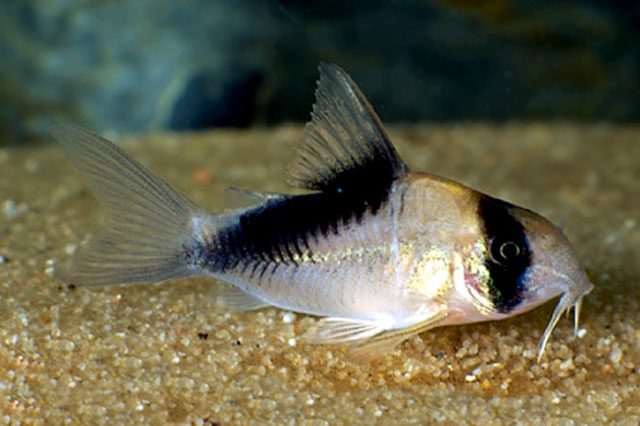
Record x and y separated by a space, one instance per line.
147 221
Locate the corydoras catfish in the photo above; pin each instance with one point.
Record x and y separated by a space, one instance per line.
380 252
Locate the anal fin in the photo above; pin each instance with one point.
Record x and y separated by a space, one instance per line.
231 297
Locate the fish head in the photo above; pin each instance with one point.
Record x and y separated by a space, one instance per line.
552 267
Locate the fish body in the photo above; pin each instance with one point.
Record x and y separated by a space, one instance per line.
381 252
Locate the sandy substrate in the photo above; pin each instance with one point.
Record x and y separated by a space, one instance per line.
157 354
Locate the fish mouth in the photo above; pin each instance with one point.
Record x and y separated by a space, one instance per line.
572 297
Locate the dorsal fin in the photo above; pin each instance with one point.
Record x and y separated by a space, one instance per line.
344 147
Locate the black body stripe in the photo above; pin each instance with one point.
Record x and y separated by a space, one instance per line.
508 275
279 230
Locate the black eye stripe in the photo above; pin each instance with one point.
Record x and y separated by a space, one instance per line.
507 273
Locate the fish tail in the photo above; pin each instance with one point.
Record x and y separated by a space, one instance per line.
148 223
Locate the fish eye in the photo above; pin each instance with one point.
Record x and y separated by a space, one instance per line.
506 251
509 250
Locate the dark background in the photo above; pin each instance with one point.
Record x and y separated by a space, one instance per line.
133 66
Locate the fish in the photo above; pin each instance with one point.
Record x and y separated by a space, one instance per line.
378 252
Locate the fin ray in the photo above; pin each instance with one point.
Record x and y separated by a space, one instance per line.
384 342
340 330
238 198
